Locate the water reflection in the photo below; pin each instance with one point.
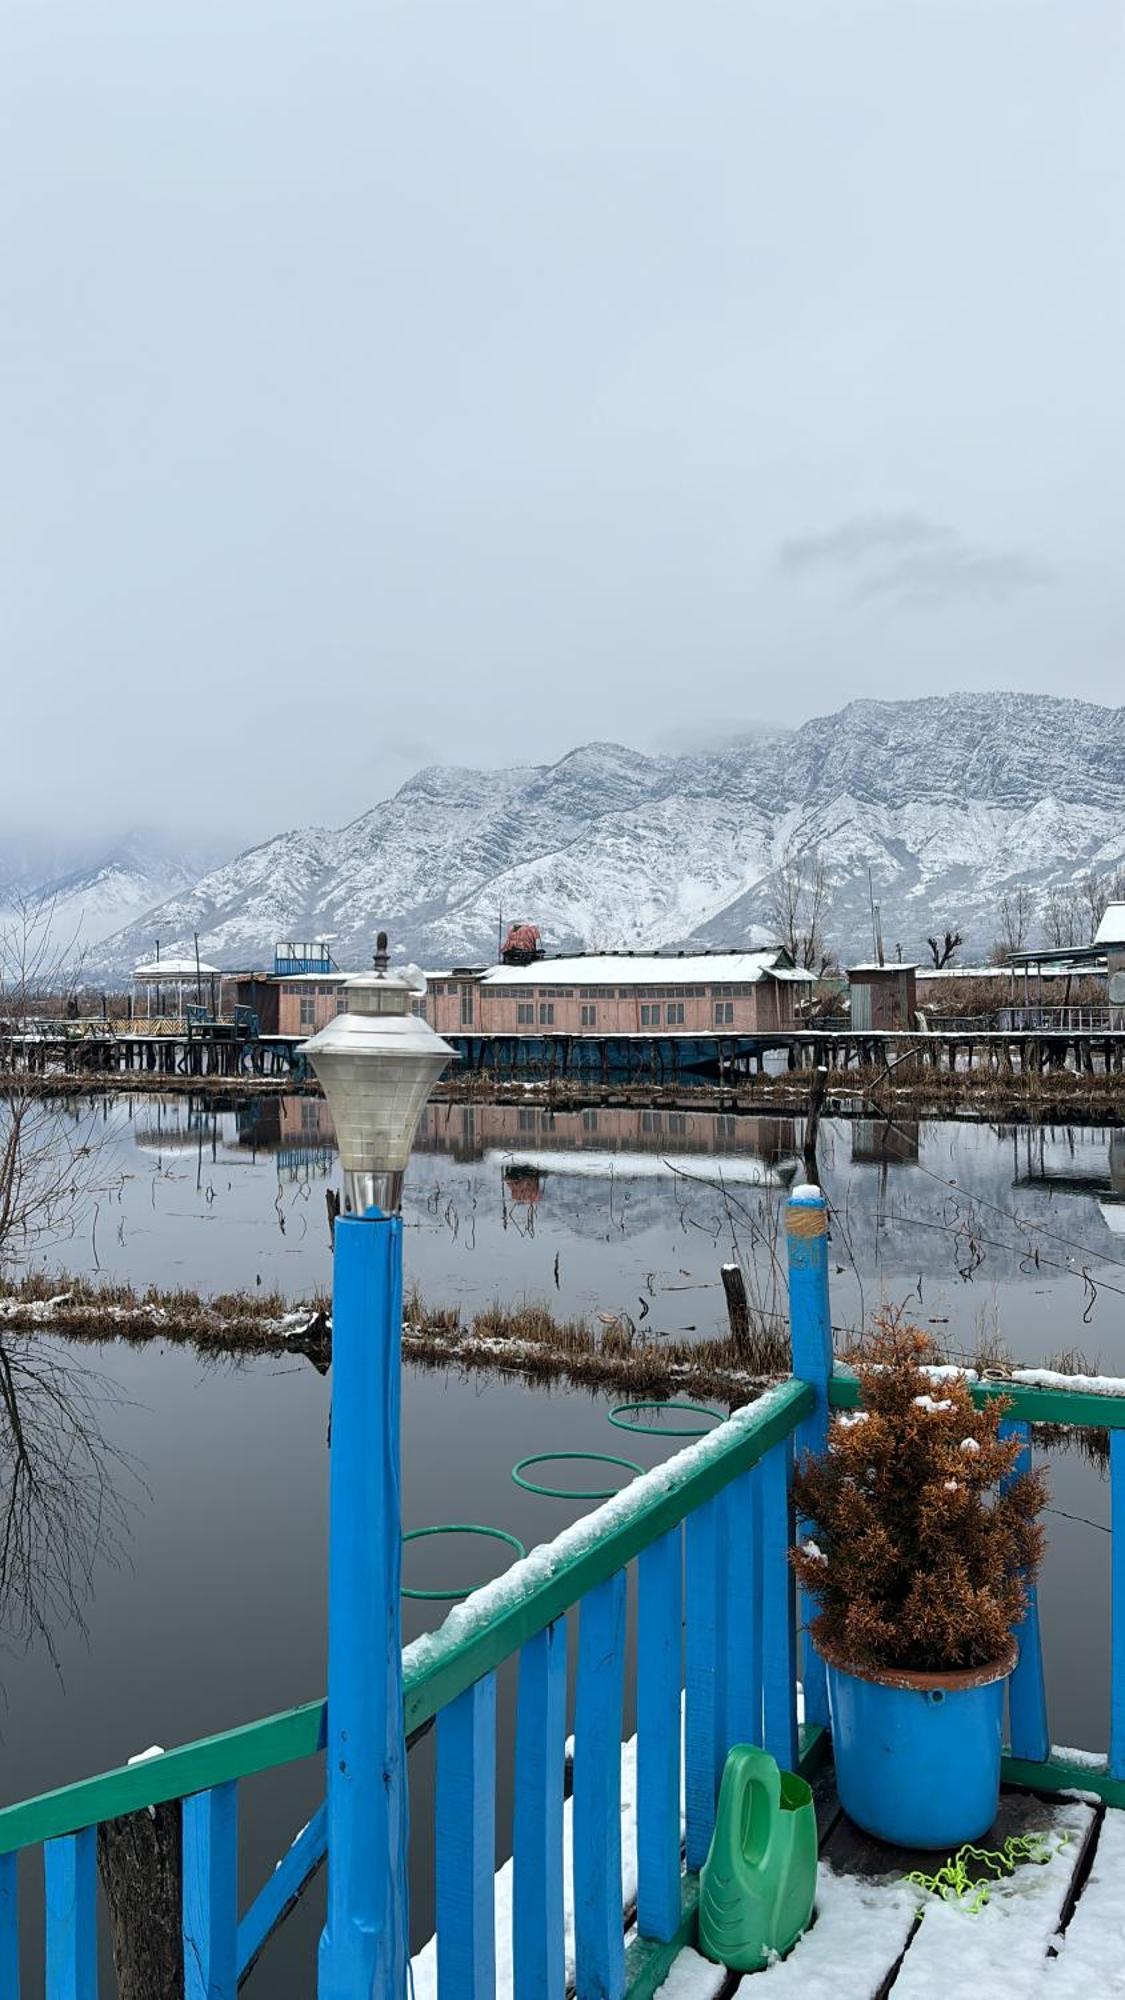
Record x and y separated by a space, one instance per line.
596 1207
65 1489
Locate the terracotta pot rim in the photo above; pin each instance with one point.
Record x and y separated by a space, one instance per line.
960 1680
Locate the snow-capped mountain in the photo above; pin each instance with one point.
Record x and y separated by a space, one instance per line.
71 902
948 800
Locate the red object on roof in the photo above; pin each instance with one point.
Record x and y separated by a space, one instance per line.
521 946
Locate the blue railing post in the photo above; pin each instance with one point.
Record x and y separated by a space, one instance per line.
810 1324
363 1948
1027 1693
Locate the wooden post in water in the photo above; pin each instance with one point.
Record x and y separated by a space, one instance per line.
140 1862
738 1311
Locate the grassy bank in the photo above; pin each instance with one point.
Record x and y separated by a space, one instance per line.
526 1340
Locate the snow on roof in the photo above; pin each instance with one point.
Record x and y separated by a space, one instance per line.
174 968
1111 930
725 968
892 965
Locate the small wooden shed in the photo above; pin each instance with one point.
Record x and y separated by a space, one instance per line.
883 997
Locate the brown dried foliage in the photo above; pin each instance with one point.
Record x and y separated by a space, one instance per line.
923 1558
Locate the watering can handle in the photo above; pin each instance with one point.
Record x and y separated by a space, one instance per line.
748 1769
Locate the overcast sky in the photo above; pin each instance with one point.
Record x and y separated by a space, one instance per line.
416 380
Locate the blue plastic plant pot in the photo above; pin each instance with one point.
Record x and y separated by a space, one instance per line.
918 1755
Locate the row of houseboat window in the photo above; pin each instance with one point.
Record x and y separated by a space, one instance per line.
594 993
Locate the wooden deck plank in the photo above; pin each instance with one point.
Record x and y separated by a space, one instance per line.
1002 1947
1091 1951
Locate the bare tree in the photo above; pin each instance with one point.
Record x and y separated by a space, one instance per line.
62 1505
1097 892
798 907
1017 911
942 951
50 1153
1064 916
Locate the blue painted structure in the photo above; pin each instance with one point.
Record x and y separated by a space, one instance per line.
917 1766
291 959
810 1331
736 1649
363 1948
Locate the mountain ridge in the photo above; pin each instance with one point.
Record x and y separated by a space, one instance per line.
948 799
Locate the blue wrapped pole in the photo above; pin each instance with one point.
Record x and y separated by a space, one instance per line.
810 1323
364 1945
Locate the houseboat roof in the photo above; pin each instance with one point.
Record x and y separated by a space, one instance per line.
175 968
1111 930
891 965
734 968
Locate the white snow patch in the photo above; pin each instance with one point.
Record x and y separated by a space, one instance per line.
929 1403
1087 1760
971 1446
692 1978
848 1419
1089 1385
860 1929
814 1552
1092 1949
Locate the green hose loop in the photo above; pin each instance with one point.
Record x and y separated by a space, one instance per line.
458 1528
572 1492
617 1419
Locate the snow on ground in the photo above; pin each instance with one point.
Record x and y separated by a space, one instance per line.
692 1978
860 1929
1000 1952
1091 1957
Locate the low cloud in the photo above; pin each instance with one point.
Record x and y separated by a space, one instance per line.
908 556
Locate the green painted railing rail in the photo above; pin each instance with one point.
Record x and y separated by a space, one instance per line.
193 1767
453 1664
452 1667
1084 1409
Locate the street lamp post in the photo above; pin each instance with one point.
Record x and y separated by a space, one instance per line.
377 1064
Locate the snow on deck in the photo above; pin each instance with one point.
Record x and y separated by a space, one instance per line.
1011 1949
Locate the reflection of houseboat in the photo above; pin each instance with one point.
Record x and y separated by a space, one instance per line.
737 1170
472 1131
878 1143
1083 1162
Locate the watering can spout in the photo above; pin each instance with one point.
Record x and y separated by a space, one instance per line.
758 1884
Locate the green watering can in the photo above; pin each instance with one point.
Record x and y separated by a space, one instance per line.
758 1885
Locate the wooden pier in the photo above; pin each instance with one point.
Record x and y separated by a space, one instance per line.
225 1049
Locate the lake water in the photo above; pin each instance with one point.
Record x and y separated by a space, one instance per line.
212 1611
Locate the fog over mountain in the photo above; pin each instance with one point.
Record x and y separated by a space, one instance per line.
948 800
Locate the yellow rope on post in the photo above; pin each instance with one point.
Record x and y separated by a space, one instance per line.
954 1884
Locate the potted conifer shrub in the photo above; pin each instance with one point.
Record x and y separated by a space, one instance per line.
919 1546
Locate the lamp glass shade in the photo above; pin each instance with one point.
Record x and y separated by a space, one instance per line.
377 1065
